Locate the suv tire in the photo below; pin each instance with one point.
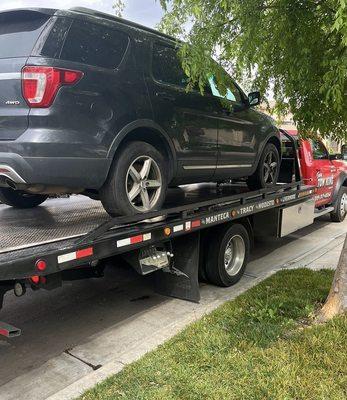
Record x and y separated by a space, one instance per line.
137 181
19 199
339 213
267 172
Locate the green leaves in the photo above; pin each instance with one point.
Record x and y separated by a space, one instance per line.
296 50
118 7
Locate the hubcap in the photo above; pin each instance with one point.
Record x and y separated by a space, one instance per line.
343 204
234 255
270 168
143 183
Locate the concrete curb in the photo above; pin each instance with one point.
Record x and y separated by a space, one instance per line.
115 366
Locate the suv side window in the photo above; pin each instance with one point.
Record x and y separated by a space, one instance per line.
166 66
94 44
233 93
49 45
319 150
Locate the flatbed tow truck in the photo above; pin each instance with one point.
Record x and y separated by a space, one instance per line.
204 231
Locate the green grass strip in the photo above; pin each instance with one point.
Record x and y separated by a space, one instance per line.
258 346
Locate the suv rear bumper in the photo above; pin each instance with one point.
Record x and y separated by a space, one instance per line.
85 173
8 172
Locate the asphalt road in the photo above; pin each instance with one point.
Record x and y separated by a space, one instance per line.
54 323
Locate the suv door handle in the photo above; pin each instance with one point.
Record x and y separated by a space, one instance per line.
165 96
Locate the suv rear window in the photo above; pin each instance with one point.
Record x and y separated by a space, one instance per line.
19 31
94 44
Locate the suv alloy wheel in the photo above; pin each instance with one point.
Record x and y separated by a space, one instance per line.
143 183
268 169
137 181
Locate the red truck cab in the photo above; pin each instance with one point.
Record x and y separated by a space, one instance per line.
326 172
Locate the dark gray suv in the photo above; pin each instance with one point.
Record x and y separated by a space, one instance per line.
94 104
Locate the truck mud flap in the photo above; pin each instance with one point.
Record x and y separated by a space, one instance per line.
7 330
181 279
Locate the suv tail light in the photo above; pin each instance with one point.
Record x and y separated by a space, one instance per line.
41 84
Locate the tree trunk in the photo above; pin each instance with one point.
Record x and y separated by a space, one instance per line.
336 302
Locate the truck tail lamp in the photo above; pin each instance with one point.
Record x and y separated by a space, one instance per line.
41 265
35 279
41 84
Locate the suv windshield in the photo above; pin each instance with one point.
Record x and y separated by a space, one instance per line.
19 31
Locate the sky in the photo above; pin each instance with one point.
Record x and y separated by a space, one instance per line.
145 12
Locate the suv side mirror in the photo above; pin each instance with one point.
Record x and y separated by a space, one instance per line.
254 99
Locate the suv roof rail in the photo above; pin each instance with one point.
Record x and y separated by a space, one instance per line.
48 11
94 13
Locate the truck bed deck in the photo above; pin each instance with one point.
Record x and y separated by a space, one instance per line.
55 220
67 218
75 231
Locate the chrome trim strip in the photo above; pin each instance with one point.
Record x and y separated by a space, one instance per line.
216 167
199 166
4 76
234 166
11 174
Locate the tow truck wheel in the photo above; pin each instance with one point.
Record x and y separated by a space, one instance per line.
19 199
227 255
340 211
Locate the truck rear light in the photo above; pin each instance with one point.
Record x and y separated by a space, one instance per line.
41 84
41 265
35 279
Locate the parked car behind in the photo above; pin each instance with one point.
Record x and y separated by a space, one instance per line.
94 104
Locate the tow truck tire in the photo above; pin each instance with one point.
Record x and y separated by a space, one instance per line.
125 180
19 199
227 255
340 210
267 172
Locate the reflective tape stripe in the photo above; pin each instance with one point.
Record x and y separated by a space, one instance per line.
66 257
134 240
84 253
76 255
147 236
196 223
123 242
178 228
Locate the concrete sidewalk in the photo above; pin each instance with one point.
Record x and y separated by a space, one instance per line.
326 257
143 319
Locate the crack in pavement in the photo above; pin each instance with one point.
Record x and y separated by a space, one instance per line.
92 366
249 275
